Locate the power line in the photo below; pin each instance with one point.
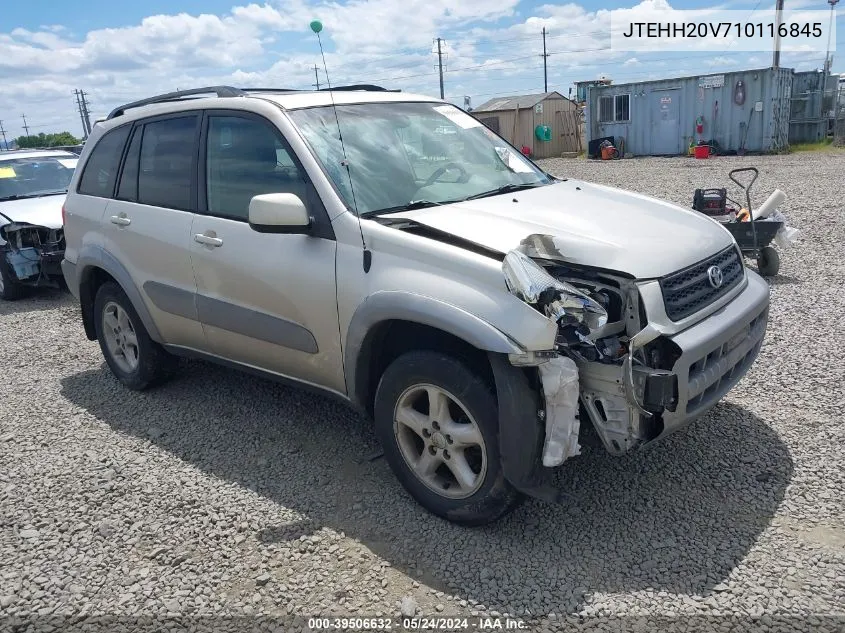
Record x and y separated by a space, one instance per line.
316 76
3 132
25 126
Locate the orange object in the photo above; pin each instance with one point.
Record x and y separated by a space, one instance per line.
702 151
609 153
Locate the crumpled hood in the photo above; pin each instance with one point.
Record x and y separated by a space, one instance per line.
591 225
44 211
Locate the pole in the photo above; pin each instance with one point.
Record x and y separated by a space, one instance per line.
25 126
545 70
316 76
778 19
440 66
81 114
3 132
828 60
86 113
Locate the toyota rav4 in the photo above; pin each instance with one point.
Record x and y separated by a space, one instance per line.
468 302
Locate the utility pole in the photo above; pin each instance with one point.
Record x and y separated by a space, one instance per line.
828 59
81 114
85 113
545 56
778 19
440 66
316 76
3 132
25 126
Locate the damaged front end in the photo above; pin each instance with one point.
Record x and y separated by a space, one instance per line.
605 358
32 254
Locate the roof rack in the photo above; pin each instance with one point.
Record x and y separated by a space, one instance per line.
220 91
229 91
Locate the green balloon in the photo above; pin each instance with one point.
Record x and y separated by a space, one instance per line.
316 26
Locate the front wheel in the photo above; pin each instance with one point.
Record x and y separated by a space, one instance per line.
438 425
10 289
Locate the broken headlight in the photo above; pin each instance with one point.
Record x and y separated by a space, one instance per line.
557 299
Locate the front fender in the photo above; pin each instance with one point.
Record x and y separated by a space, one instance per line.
406 306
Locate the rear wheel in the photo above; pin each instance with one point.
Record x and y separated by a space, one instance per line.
10 289
438 424
133 357
768 261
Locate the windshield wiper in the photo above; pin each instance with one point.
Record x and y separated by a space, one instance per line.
411 206
25 196
504 189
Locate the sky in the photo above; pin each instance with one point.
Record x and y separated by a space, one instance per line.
118 52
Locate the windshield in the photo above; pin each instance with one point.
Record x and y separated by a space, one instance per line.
30 176
412 154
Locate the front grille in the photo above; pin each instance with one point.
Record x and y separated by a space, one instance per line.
688 291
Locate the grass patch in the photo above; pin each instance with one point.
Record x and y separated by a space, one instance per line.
816 146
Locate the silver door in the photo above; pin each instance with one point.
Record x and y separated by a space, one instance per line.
149 224
265 300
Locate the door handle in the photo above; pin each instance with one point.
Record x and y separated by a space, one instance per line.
120 220
207 240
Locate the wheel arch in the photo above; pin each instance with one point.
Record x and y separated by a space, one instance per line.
390 323
96 267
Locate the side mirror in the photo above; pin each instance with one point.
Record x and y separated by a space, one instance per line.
278 213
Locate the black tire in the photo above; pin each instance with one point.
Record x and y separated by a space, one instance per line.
768 261
10 289
154 364
494 496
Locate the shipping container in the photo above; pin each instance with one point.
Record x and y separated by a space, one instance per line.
740 111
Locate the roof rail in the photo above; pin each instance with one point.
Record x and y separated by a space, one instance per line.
220 91
362 87
367 87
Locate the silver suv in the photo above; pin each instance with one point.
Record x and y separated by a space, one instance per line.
468 302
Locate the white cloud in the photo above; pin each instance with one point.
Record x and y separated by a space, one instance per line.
490 46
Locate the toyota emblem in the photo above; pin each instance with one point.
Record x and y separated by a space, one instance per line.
714 274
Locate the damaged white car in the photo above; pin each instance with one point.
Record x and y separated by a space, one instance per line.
33 184
468 302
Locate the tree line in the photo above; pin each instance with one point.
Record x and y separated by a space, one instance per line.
46 140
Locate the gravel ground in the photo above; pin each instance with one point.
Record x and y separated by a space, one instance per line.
222 495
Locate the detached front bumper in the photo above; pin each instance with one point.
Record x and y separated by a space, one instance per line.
715 354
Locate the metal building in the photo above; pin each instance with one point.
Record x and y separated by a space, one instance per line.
813 104
518 118
741 111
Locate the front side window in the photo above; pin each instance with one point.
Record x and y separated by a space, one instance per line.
168 148
401 154
245 158
101 167
32 177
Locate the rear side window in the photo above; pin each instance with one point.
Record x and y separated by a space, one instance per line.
168 149
101 168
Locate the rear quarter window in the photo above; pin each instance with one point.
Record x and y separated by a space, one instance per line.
100 171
